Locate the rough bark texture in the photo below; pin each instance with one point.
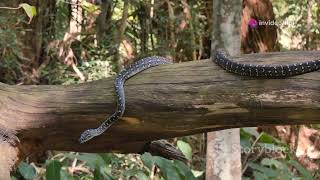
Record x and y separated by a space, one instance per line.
8 157
224 155
221 163
162 102
122 28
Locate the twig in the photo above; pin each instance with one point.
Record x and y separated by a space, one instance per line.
10 8
79 73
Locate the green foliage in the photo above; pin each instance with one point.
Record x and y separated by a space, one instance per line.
256 148
95 162
295 12
58 73
175 170
31 11
91 8
64 175
109 167
303 171
27 171
279 169
9 49
53 170
185 149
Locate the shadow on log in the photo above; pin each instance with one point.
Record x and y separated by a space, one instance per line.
162 102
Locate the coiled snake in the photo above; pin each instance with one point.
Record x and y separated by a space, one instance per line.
220 58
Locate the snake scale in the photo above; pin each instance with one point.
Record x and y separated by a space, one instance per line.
220 58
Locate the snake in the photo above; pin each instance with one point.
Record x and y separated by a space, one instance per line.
131 70
220 57
274 71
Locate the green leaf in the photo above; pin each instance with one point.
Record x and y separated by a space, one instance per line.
274 163
139 174
268 147
89 7
31 11
185 149
304 172
250 131
266 138
106 173
281 166
97 175
266 171
184 170
27 171
53 170
96 162
245 139
65 176
197 174
14 178
167 168
93 160
259 176
107 157
147 160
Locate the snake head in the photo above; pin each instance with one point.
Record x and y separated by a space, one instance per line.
87 135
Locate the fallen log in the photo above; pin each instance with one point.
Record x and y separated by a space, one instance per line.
161 102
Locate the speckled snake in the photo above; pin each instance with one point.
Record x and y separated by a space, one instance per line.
220 58
125 74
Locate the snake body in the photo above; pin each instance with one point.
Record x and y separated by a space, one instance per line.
264 71
125 74
220 58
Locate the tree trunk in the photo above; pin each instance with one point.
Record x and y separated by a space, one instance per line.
308 25
122 28
223 147
318 24
103 20
171 28
8 158
35 39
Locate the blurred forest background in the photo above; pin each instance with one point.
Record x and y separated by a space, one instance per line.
76 41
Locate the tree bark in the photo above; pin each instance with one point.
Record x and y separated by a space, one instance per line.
308 25
103 20
223 159
171 27
121 34
8 158
162 102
